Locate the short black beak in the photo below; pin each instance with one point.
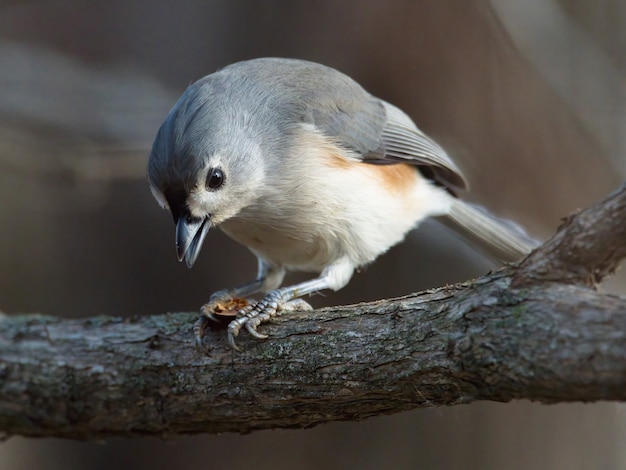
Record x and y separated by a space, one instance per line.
190 233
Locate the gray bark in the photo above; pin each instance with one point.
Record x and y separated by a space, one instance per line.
539 330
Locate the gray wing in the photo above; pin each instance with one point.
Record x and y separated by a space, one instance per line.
404 142
379 132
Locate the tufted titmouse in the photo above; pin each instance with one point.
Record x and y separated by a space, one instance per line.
300 164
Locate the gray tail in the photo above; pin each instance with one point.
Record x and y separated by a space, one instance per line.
500 238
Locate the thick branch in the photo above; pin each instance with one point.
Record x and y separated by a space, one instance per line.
588 246
483 340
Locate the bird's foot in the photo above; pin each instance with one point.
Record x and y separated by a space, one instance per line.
251 316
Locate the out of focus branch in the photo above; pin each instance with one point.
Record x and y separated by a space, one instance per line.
539 330
76 122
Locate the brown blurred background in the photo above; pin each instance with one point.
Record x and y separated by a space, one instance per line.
528 97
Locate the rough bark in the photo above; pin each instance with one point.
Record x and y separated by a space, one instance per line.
539 330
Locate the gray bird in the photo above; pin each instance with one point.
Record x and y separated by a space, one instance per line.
300 164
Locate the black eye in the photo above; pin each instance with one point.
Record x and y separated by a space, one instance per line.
215 178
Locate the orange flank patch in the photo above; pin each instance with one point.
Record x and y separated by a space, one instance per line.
396 177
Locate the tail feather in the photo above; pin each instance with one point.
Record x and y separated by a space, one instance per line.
500 238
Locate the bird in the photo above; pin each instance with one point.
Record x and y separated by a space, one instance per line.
299 163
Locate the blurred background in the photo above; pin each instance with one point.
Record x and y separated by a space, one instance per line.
528 97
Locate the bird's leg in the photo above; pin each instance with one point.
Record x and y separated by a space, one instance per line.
268 276
334 277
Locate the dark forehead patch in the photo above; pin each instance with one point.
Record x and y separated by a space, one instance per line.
176 197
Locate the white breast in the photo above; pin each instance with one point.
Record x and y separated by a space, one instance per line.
320 206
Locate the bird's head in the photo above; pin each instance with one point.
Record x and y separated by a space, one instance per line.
205 166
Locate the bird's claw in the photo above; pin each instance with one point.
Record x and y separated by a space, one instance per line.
254 315
250 316
199 328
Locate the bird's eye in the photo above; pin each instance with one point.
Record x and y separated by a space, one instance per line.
215 178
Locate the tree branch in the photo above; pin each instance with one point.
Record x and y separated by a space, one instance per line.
587 247
538 330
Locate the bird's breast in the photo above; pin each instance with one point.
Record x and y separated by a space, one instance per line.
353 210
288 242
